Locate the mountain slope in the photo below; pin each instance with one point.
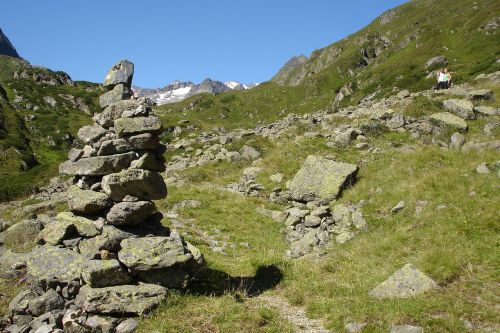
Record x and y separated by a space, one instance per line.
6 47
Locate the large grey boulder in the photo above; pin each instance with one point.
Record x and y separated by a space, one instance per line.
87 202
141 184
121 300
448 119
487 110
145 141
91 133
121 73
321 179
98 165
130 213
49 301
114 111
54 233
20 303
480 94
461 107
406 282
127 326
138 125
104 273
119 92
48 262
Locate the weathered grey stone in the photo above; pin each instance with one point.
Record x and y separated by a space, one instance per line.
174 277
91 133
436 61
109 240
49 301
114 111
398 207
138 125
354 327
104 273
74 322
130 213
305 244
97 166
321 179
149 161
121 300
87 202
487 110
119 92
480 94
457 141
358 220
144 141
142 184
448 119
75 154
152 253
49 262
55 232
406 282
102 324
406 329
121 73
20 303
461 107
483 168
84 227
276 178
249 152
312 221
127 326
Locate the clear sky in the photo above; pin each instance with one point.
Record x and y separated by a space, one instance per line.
240 40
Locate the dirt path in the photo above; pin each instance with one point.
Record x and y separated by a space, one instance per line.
293 314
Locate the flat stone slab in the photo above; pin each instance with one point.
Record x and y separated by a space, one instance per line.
121 300
97 166
130 213
321 179
91 133
152 253
138 125
84 227
47 262
460 107
114 111
448 119
406 282
105 273
145 141
141 184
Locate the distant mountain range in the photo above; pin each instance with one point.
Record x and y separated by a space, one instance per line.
6 47
179 90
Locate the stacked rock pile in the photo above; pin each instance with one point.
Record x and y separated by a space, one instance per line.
109 257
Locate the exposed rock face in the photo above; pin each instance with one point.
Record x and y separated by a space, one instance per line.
112 239
6 47
406 282
321 179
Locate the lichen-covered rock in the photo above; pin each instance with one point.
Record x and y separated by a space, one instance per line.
119 92
114 111
448 119
121 300
138 125
104 273
149 161
151 253
84 227
406 282
87 202
91 133
460 107
121 73
47 262
144 141
49 301
108 240
98 165
141 184
20 303
130 213
480 94
55 232
321 179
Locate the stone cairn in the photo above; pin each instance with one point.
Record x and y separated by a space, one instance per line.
108 258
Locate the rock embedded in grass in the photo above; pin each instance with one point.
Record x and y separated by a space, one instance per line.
448 119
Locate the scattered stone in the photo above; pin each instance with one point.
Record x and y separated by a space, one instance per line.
276 178
487 110
250 153
448 119
47 302
403 94
54 233
399 207
462 108
354 327
101 324
84 227
406 329
457 141
127 326
406 282
437 61
321 179
480 94
483 169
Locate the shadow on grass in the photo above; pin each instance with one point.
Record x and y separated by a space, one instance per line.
212 282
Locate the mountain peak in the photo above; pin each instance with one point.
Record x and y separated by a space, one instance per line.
6 47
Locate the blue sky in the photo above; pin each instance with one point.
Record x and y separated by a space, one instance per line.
246 41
